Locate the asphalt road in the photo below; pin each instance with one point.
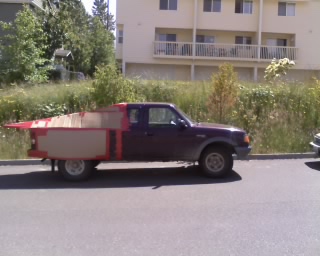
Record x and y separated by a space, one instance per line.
266 207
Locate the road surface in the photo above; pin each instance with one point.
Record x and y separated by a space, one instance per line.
266 207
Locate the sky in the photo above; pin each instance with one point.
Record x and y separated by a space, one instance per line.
89 3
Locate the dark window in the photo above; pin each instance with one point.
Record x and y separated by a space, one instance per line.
243 40
204 39
243 6
212 5
162 118
120 37
200 39
133 115
167 48
168 37
281 42
238 6
286 9
281 9
168 4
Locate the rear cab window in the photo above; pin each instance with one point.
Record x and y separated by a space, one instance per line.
134 116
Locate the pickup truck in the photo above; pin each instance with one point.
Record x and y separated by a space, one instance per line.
76 143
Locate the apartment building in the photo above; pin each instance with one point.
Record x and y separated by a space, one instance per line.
189 39
9 8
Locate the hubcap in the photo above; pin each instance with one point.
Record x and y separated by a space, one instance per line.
75 167
215 162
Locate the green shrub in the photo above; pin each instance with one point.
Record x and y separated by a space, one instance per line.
224 94
110 87
277 68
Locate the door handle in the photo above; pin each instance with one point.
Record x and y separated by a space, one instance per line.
148 133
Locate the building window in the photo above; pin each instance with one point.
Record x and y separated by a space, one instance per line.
276 48
168 37
205 39
120 37
286 9
168 47
168 4
205 47
243 6
212 5
277 42
243 40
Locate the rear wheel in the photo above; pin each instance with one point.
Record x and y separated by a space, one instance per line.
95 163
75 170
216 162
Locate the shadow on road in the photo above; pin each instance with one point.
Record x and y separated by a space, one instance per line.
146 177
313 165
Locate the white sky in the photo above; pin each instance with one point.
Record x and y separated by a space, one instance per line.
89 3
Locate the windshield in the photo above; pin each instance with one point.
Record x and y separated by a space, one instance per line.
189 119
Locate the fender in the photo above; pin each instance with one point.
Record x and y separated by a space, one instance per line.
210 141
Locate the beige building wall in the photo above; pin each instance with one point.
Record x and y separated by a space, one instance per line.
303 75
142 20
205 73
158 71
227 19
304 25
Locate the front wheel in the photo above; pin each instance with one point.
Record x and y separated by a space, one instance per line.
75 170
216 162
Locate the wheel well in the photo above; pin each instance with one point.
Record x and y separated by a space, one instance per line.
223 145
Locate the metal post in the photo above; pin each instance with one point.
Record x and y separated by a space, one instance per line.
260 28
194 33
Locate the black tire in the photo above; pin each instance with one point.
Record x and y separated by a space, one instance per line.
216 162
75 170
95 163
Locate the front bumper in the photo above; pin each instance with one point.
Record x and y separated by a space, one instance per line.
242 152
315 148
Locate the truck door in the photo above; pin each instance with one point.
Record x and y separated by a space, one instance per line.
161 138
133 137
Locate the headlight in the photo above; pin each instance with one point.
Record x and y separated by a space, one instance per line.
247 139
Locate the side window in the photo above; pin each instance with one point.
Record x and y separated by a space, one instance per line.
168 4
162 118
133 115
212 5
120 37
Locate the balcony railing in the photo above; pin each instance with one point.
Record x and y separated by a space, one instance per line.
223 51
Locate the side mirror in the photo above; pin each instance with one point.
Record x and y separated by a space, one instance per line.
182 124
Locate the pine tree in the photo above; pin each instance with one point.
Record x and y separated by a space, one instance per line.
101 9
101 44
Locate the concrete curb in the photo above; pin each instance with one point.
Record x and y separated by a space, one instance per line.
281 156
250 157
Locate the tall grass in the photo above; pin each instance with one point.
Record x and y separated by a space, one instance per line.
14 144
279 118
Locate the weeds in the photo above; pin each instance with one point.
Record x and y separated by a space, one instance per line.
281 118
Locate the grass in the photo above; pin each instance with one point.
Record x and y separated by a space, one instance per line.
14 144
280 118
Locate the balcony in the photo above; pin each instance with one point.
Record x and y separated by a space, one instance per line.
184 50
